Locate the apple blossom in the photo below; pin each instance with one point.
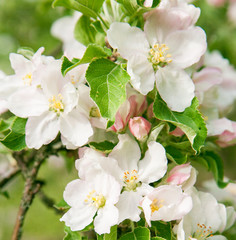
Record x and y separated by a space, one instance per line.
89 198
206 217
133 174
50 109
160 54
166 203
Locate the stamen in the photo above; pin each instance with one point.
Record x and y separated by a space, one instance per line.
27 79
94 112
131 180
203 232
156 205
95 199
158 55
55 103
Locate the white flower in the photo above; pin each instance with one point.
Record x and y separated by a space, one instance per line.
89 198
206 217
134 175
50 109
167 203
160 54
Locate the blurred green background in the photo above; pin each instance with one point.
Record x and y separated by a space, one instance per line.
27 23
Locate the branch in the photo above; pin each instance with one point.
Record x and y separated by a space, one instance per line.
32 186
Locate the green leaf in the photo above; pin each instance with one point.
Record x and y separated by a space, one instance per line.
92 53
5 194
12 133
62 205
162 229
139 233
26 52
105 146
176 155
154 3
190 121
215 164
70 235
130 6
157 238
109 236
89 8
155 132
108 86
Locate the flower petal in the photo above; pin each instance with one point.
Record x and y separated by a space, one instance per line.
175 87
186 46
76 128
128 206
141 73
127 153
27 102
154 165
128 40
105 219
41 130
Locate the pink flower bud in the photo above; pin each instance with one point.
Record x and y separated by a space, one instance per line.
184 175
177 132
139 127
228 138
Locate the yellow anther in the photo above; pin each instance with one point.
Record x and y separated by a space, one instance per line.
202 232
156 205
55 103
27 79
131 180
94 112
95 199
158 55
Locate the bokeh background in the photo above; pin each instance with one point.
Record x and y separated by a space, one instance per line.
27 23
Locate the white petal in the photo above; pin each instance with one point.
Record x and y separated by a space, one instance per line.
67 144
186 46
217 237
175 87
127 153
154 165
76 192
128 206
105 219
78 218
128 40
141 73
41 130
69 97
29 101
76 128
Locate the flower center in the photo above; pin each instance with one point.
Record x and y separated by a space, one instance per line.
95 199
159 56
156 205
202 232
55 104
131 180
27 79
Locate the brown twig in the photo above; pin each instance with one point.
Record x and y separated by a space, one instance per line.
32 186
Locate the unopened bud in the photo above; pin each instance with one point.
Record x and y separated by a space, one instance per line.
139 127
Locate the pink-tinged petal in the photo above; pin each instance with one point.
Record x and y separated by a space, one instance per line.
127 153
76 128
129 41
175 87
27 102
207 78
78 218
177 132
76 192
105 219
219 126
139 127
69 97
128 206
41 130
154 165
186 46
141 73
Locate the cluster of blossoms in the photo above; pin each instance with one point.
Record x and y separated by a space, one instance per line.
137 178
